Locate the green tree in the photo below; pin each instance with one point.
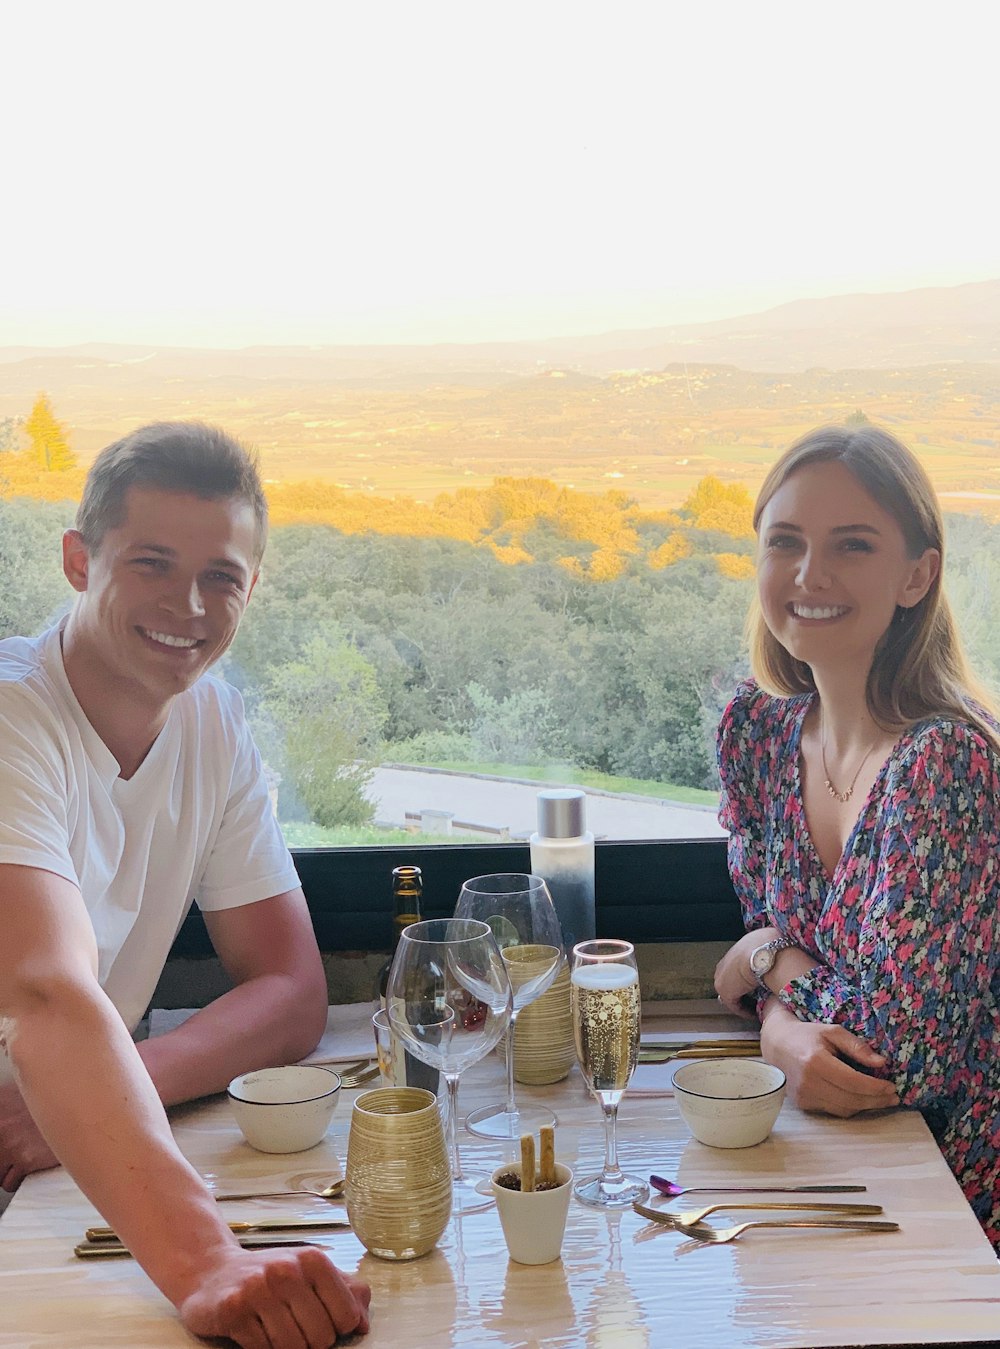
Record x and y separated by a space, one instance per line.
522 728
34 588
319 723
49 446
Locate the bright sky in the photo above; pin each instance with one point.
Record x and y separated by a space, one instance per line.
228 172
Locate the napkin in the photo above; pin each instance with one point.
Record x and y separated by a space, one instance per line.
348 1035
652 1079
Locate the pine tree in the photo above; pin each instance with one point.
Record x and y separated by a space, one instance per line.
49 447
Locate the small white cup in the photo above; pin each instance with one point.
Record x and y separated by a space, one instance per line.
533 1224
284 1109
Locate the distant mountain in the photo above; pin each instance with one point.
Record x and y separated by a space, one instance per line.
934 325
909 328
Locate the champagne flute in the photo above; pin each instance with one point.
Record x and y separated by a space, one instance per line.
604 994
520 914
449 999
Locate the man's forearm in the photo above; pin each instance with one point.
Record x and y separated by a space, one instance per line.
83 1083
268 1020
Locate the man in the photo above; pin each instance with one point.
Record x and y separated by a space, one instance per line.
129 785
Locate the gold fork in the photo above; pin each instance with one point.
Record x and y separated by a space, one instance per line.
683 1222
349 1080
718 1236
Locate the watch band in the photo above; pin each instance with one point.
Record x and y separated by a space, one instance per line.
760 967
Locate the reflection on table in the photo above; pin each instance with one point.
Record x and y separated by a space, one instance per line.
620 1283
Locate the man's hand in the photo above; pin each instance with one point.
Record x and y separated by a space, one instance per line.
812 1054
733 980
291 1299
22 1148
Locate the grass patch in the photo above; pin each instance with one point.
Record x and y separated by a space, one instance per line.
300 835
584 777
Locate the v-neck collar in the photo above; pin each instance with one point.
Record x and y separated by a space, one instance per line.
802 820
108 767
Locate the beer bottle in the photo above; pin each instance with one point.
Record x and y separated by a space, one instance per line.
407 888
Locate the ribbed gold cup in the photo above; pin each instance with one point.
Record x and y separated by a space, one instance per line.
543 1036
398 1181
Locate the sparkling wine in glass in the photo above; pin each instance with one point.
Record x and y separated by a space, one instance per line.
519 911
604 994
449 999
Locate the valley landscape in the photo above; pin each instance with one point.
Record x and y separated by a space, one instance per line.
522 559
650 413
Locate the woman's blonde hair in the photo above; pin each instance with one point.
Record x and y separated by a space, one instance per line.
919 668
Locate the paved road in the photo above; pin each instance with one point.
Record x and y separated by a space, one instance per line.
513 806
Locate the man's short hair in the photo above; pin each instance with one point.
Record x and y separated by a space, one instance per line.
174 457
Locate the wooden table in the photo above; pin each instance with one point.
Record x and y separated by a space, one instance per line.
620 1283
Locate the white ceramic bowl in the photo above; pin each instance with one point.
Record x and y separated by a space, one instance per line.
729 1103
284 1109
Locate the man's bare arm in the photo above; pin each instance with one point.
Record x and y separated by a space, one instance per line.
83 1081
275 1014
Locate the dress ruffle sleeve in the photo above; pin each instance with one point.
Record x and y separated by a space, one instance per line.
742 748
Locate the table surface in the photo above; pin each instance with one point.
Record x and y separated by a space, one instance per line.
621 1282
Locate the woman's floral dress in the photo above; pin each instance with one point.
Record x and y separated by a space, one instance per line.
906 930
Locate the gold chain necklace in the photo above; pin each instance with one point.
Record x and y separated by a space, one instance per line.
842 797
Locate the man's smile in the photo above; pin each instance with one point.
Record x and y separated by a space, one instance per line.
167 639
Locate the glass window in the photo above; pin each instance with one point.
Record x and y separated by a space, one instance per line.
517 314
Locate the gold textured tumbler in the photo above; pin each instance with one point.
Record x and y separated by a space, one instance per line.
398 1181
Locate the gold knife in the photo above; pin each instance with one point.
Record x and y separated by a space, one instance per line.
95 1250
666 1054
725 1043
98 1234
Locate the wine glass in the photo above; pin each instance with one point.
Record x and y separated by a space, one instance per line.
604 995
449 999
519 912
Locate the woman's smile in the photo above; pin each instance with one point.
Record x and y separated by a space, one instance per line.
817 613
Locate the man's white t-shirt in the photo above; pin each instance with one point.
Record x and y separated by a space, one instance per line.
193 823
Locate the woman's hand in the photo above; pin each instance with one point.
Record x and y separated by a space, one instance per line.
812 1056
733 979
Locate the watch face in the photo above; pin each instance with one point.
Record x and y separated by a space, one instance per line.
761 960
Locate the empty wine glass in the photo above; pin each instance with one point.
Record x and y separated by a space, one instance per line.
449 999
519 911
604 994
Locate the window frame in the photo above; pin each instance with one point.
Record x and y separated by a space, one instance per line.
673 890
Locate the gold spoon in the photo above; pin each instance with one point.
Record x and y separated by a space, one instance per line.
335 1190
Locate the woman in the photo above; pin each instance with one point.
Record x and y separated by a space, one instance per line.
861 788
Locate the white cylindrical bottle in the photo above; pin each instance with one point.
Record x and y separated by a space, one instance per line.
562 853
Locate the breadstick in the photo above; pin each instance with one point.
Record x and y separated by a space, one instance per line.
527 1164
547 1161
